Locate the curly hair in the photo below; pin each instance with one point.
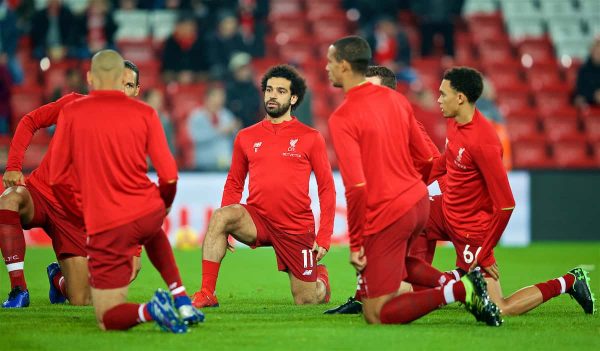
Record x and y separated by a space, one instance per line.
465 80
297 83
387 76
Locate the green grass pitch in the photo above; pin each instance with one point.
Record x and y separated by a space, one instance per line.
257 313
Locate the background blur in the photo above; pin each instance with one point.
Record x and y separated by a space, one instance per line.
201 62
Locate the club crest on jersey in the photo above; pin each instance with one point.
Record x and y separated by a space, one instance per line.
458 160
293 143
257 145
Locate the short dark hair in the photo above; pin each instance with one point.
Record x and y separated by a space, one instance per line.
388 77
297 83
355 50
465 80
134 68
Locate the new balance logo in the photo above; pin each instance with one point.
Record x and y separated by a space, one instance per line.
307 272
257 145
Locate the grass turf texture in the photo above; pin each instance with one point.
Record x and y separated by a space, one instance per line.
257 313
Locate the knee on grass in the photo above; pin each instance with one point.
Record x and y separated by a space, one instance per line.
79 299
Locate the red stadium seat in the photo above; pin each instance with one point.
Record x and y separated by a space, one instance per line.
546 76
318 9
559 128
184 98
530 154
284 8
505 79
485 27
138 51
596 153
24 100
572 154
513 99
540 49
549 101
297 51
284 31
522 128
592 127
495 51
329 29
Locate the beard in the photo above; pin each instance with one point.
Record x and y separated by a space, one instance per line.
280 110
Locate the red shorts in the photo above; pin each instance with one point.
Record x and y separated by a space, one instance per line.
386 251
437 229
68 238
110 253
293 251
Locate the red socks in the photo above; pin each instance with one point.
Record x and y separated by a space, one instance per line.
410 306
555 287
210 273
125 316
160 254
12 244
59 283
421 273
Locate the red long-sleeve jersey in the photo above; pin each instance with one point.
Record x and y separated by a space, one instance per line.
42 117
279 159
378 143
478 200
104 140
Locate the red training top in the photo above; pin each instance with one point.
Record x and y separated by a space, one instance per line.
42 117
279 159
105 138
478 200
378 143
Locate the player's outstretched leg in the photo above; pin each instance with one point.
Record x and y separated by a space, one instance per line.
15 205
575 283
233 219
477 300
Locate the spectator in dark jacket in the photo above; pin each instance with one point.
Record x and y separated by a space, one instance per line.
243 97
587 90
184 54
9 37
98 26
226 41
52 32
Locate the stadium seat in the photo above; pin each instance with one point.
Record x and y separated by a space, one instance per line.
596 153
523 28
559 9
545 76
540 49
548 101
565 30
162 23
504 79
522 128
284 8
330 29
513 99
592 127
150 75
575 48
132 24
495 51
318 9
572 154
137 50
292 30
297 51
559 127
485 27
24 100
530 154
519 9
184 98
479 7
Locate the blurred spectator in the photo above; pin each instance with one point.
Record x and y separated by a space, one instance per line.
243 97
25 11
226 41
164 4
52 32
391 48
155 98
9 38
437 17
587 89
253 16
370 10
5 83
212 128
99 26
488 108
184 54
74 82
125 4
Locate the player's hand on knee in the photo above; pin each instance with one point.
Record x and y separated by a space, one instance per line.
358 259
12 178
321 252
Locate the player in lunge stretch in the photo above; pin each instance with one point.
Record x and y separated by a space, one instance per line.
103 141
477 203
380 75
30 204
378 143
278 154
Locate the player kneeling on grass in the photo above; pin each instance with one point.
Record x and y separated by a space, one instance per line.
32 204
477 204
104 141
375 133
279 153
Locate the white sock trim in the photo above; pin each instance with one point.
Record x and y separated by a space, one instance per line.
455 274
178 290
18 266
449 293
141 313
563 285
